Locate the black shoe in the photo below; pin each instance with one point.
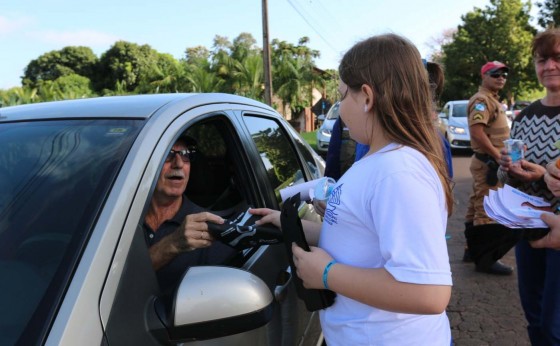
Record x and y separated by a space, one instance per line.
497 268
467 256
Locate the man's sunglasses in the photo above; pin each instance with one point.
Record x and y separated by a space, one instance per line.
498 75
187 155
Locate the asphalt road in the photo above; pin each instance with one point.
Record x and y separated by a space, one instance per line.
484 308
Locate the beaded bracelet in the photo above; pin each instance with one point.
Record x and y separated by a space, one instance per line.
326 273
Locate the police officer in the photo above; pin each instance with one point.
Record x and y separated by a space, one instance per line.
488 128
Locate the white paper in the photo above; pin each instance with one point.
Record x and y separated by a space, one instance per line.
515 209
303 189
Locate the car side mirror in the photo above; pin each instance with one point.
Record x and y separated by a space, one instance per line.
442 115
214 301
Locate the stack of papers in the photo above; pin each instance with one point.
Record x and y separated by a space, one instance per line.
516 209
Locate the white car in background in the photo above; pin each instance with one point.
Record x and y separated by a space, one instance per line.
324 132
453 124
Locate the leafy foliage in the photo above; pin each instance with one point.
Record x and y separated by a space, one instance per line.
549 12
472 46
59 63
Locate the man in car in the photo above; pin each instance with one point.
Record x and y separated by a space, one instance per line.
176 228
489 128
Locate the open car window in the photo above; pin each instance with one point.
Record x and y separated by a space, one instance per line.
214 181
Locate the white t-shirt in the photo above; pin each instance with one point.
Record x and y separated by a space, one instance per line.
388 211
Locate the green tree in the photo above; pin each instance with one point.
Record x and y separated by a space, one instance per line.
293 74
472 46
248 77
201 80
125 62
243 45
59 63
549 13
18 96
163 76
73 86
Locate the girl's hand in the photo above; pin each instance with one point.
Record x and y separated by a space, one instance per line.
319 206
310 265
268 216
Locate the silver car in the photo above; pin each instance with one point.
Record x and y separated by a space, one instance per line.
324 132
453 124
76 178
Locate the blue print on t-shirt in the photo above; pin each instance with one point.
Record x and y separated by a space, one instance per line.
334 201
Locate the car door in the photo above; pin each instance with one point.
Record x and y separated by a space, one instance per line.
285 161
130 294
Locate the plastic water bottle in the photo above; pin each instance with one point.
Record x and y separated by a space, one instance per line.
324 188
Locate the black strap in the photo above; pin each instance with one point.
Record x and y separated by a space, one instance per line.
483 157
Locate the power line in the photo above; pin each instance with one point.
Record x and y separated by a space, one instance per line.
304 17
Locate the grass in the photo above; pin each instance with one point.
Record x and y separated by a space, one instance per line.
311 138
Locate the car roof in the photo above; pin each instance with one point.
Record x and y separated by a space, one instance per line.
132 106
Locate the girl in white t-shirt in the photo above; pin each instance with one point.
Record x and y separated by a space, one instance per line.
381 246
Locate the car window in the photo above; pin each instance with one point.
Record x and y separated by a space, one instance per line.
460 110
276 152
445 110
333 113
54 179
213 181
305 150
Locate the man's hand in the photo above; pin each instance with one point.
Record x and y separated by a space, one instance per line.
193 233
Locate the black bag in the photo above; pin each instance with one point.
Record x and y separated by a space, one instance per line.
315 299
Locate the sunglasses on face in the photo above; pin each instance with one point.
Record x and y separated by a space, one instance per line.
498 75
186 155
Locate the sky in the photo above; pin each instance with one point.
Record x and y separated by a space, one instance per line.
30 28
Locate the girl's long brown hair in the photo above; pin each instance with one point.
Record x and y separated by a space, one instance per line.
391 65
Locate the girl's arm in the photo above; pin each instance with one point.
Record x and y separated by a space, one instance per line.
378 288
311 229
372 286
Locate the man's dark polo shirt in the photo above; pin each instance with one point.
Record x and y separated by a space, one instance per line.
170 274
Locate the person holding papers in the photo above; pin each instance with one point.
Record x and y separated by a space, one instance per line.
538 126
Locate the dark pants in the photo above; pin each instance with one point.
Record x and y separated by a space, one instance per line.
539 290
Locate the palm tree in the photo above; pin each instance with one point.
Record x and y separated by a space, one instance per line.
248 77
202 80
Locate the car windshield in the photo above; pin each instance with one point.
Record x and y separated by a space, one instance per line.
54 177
333 112
460 110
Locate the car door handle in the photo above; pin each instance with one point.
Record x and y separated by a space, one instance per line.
282 283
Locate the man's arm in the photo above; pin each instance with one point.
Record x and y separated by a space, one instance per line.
478 134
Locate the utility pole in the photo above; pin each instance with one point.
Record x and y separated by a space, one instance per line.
266 56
